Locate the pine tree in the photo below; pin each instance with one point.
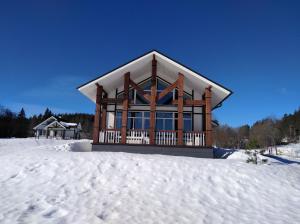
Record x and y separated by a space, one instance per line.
22 124
48 113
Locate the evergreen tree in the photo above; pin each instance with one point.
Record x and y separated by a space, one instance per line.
48 113
22 124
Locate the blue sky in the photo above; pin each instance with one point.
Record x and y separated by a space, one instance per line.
48 48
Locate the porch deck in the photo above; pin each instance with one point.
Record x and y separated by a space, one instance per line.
166 143
189 151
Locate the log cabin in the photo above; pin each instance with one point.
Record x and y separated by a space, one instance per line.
154 104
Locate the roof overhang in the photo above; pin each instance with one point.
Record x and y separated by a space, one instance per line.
168 69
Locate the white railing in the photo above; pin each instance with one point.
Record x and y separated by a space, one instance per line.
194 138
161 137
110 136
137 137
166 137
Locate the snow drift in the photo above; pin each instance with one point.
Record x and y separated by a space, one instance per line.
43 181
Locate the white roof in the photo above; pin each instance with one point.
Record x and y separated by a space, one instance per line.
54 122
167 69
45 122
68 124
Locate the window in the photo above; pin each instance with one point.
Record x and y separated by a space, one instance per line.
164 120
187 122
136 98
118 120
135 120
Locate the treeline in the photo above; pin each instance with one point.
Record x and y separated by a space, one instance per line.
19 126
263 133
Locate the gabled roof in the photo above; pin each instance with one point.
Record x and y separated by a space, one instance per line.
45 121
167 68
55 122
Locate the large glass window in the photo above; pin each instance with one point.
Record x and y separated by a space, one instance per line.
187 122
118 120
135 120
136 98
164 120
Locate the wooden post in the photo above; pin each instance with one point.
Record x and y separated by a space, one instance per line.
208 118
97 117
180 85
104 112
125 107
153 101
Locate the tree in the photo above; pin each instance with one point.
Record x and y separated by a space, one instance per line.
48 113
22 124
7 123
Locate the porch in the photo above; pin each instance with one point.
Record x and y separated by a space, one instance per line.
161 137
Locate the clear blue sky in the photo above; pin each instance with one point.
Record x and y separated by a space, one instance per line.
48 48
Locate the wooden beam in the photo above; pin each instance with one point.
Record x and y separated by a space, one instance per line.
180 84
208 118
190 102
125 108
97 117
112 100
167 90
140 90
153 101
104 112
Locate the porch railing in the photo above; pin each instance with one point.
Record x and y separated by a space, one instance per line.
194 138
168 137
110 136
138 137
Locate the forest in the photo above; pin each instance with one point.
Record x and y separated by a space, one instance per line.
263 133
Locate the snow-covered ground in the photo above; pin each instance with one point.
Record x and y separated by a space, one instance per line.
42 181
291 150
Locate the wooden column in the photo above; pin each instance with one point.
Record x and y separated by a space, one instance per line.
153 101
104 112
180 85
125 107
208 118
97 117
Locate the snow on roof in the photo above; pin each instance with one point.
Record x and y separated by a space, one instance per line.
68 124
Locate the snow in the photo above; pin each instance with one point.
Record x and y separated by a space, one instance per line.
45 181
68 124
291 150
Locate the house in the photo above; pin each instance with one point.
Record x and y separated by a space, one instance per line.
53 128
156 102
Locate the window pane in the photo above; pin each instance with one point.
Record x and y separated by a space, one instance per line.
187 125
138 123
161 85
164 114
146 124
146 85
138 114
146 114
118 122
187 115
159 124
140 99
168 124
130 123
166 100
119 113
